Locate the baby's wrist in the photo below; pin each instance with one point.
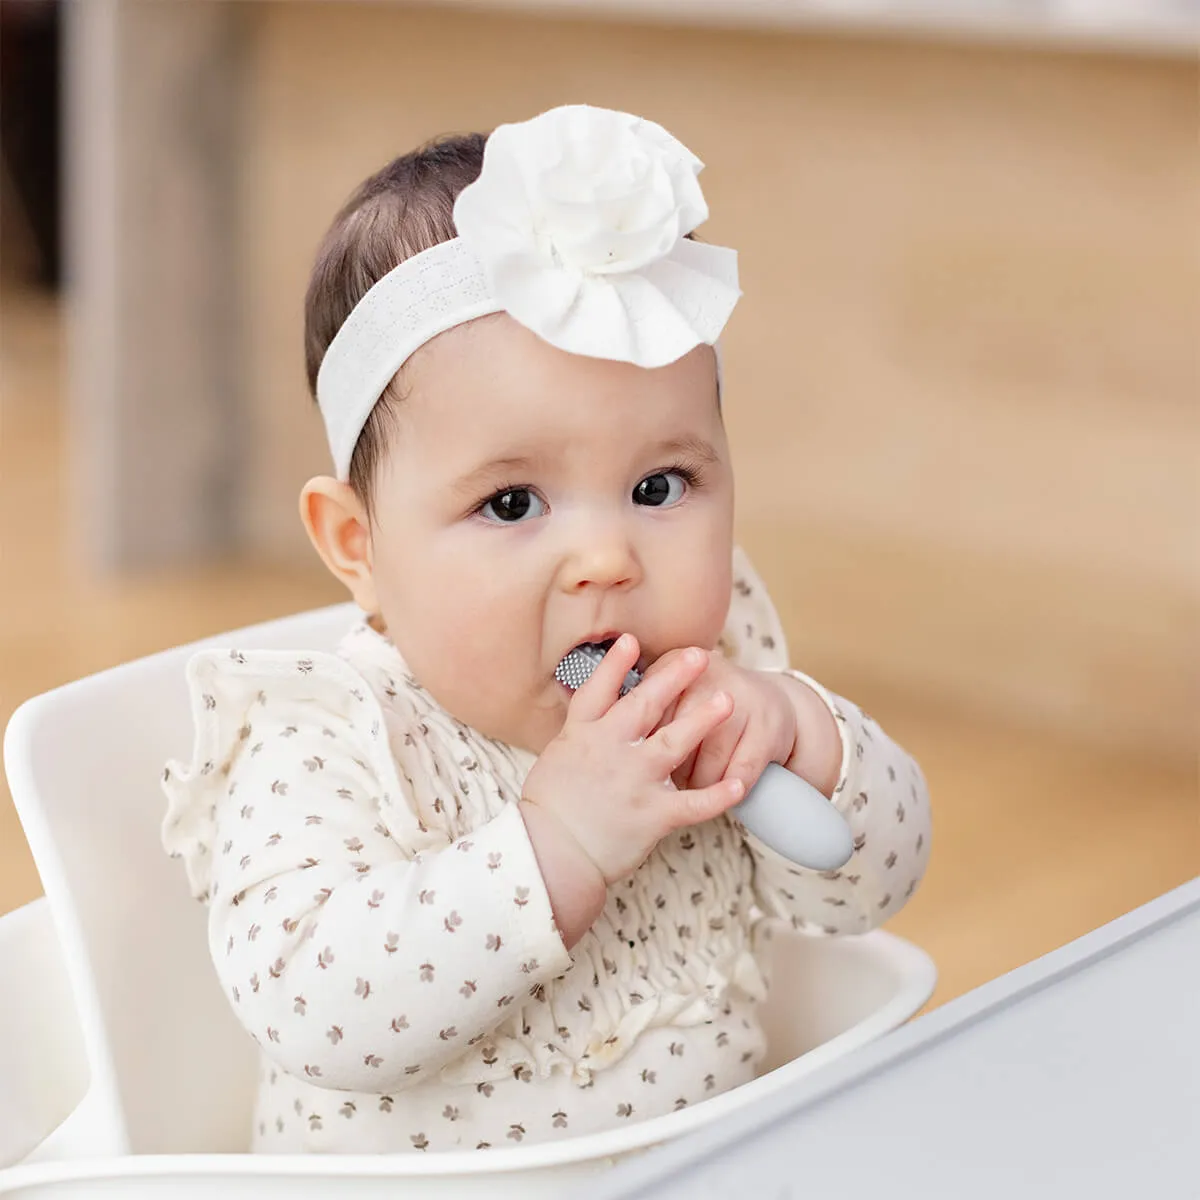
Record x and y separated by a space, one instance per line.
575 884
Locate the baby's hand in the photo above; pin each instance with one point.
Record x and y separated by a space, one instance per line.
765 725
607 776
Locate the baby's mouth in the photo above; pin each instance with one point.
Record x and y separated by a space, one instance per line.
643 660
577 665
595 647
603 645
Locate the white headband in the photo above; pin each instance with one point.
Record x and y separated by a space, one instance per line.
575 228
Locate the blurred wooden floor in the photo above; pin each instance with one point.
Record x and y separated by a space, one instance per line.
1036 840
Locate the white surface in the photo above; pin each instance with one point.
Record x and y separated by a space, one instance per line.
173 1074
43 1071
1141 26
1078 1075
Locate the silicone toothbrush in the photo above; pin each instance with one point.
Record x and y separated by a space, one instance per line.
781 809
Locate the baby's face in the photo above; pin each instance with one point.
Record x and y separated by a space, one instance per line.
533 499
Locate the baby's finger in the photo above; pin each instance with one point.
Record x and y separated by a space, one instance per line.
682 774
603 688
716 753
693 806
642 709
662 662
748 761
673 743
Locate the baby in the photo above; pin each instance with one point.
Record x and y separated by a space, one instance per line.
455 904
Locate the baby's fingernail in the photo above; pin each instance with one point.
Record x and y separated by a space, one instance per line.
719 699
737 787
623 642
693 657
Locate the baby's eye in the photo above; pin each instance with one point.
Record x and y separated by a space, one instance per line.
667 487
508 508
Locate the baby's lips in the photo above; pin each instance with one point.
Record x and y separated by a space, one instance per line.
594 645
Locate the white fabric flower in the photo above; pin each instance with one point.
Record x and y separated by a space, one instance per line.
578 219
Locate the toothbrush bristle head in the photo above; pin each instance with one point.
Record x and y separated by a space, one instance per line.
576 666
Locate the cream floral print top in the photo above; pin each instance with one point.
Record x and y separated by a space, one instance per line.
380 927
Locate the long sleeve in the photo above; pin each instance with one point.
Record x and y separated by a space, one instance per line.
880 790
882 794
355 962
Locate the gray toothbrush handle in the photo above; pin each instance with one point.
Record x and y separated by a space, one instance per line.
795 820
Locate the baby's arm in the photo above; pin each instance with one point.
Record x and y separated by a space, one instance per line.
354 964
882 793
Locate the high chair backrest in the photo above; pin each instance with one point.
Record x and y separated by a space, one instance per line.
84 765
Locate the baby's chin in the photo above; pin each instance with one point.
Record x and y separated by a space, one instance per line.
544 720
529 725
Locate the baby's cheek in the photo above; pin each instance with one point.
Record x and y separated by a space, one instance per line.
705 599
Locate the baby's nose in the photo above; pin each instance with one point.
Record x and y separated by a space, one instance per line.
603 557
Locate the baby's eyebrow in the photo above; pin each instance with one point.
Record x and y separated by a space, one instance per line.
689 447
486 473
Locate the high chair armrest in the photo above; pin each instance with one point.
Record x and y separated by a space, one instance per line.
43 1065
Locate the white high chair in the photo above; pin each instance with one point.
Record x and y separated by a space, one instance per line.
145 1052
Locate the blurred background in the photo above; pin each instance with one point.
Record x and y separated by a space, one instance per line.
963 383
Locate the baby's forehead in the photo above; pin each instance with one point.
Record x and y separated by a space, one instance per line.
495 375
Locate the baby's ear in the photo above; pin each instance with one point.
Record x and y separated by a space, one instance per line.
335 519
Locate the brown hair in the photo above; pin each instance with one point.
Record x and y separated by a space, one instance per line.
396 213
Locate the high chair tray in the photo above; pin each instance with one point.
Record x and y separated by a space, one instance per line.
1076 1075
